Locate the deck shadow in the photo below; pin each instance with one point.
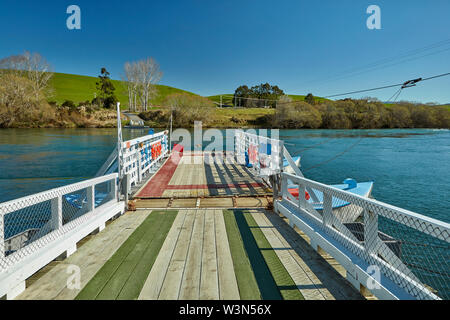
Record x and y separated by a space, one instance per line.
329 277
266 283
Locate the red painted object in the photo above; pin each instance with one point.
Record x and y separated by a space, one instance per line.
294 193
178 148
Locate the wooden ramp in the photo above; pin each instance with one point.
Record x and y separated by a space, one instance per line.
192 254
202 175
195 261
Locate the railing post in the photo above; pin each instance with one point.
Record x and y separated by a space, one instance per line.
57 218
301 195
273 181
327 209
139 170
113 188
91 198
280 155
125 188
284 186
2 235
370 231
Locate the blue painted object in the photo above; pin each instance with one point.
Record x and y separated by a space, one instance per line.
351 183
247 161
265 148
151 131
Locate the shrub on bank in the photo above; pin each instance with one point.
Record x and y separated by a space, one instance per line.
358 114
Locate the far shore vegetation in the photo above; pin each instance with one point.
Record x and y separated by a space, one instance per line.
32 96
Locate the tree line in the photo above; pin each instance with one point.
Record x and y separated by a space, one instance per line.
368 113
259 96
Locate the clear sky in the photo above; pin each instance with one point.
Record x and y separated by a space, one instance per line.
211 47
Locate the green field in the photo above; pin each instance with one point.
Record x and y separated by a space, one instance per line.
297 97
81 88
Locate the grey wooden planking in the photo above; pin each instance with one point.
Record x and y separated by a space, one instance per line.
90 257
228 287
190 287
288 257
172 281
195 260
325 273
153 285
209 283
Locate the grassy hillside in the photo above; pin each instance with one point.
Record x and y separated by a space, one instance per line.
226 99
297 97
81 88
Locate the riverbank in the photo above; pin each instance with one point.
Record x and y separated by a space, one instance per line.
330 115
323 116
48 116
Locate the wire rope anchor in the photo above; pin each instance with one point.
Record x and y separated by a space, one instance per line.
411 83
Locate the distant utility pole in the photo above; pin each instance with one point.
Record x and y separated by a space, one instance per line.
170 134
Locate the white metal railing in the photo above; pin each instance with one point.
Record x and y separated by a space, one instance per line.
265 155
137 156
411 251
36 229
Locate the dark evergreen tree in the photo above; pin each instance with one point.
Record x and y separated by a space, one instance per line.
106 88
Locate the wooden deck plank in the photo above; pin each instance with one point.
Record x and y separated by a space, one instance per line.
228 288
138 276
209 284
192 172
277 279
324 292
114 285
330 281
190 286
154 282
284 253
53 285
172 282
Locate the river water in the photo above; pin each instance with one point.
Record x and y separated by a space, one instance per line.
411 168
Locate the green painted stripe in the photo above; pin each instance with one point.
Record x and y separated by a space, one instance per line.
267 285
248 287
137 278
127 255
283 280
96 284
115 284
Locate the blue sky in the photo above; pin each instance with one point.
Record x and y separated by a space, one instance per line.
211 47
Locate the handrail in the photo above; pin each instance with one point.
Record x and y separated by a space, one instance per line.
137 160
59 218
20 203
264 162
408 248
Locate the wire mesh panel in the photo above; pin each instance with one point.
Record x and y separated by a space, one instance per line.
410 249
30 223
74 205
23 225
428 257
104 192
